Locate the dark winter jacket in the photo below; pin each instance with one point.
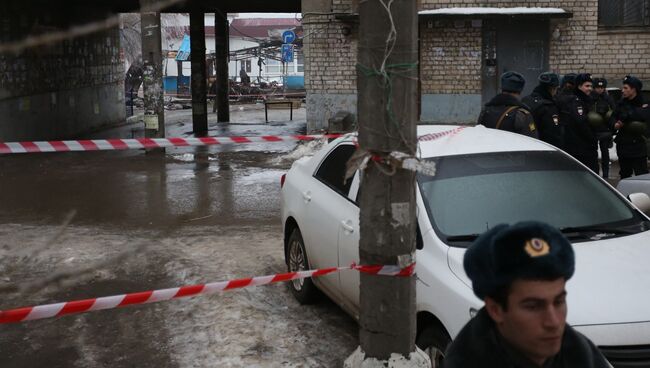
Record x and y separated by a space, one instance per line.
479 345
630 144
546 116
514 115
579 138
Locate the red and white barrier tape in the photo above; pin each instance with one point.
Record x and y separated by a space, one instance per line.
139 143
434 136
152 296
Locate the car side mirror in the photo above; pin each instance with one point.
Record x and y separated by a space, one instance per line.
641 201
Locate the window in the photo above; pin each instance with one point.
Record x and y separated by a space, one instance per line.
623 13
247 65
301 62
332 170
472 193
273 66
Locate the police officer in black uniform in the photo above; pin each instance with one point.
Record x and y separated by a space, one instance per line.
629 119
603 105
512 267
505 111
579 138
568 84
546 115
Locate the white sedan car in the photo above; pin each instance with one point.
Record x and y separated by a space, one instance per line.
484 177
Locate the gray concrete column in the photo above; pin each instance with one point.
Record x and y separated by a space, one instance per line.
199 77
154 111
222 50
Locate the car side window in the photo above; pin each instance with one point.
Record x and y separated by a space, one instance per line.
332 169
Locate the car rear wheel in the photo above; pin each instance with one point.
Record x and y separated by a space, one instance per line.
302 289
434 342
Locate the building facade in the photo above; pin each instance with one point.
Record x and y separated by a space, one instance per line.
465 45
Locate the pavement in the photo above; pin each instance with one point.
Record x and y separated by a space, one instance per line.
142 221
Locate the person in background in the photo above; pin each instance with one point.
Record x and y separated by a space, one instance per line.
520 271
568 84
603 105
579 138
505 111
546 114
629 119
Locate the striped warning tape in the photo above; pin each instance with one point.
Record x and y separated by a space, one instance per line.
140 143
152 296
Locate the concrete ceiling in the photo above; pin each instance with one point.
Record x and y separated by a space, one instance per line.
126 6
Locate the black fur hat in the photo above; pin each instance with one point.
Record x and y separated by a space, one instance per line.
549 79
583 78
526 250
512 82
600 82
633 82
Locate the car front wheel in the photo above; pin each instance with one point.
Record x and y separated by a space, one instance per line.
302 289
434 342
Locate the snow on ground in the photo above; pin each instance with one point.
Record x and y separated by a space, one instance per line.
254 327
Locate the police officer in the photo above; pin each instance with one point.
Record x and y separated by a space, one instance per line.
568 84
505 111
579 138
628 119
546 115
520 272
603 105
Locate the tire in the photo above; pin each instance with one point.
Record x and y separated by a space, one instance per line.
434 341
303 290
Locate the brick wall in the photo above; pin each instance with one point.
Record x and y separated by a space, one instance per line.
581 46
330 56
70 64
450 57
62 89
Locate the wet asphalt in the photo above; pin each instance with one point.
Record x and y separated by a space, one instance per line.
206 213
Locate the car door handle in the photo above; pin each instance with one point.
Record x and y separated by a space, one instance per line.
347 226
306 195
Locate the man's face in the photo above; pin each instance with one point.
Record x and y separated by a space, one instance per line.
599 90
552 90
535 319
586 87
628 92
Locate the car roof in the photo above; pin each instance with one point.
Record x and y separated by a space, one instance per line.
448 140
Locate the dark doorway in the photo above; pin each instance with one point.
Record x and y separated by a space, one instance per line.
513 45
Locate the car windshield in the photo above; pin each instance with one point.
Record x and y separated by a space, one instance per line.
472 193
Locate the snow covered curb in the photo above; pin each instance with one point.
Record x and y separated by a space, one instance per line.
417 359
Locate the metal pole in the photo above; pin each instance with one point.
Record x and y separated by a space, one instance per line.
387 107
199 77
221 50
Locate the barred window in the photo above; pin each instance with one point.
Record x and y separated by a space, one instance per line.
623 13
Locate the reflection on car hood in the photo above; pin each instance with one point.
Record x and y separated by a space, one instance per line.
611 283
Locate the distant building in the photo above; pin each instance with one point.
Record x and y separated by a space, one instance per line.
245 38
466 44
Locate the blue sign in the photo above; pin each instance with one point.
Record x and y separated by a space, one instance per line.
287 53
288 36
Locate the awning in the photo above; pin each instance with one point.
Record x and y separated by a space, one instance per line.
184 50
486 12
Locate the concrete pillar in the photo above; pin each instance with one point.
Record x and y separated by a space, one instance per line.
199 77
221 50
154 112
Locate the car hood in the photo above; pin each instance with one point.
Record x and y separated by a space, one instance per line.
611 283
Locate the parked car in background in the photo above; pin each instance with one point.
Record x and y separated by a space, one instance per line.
484 177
